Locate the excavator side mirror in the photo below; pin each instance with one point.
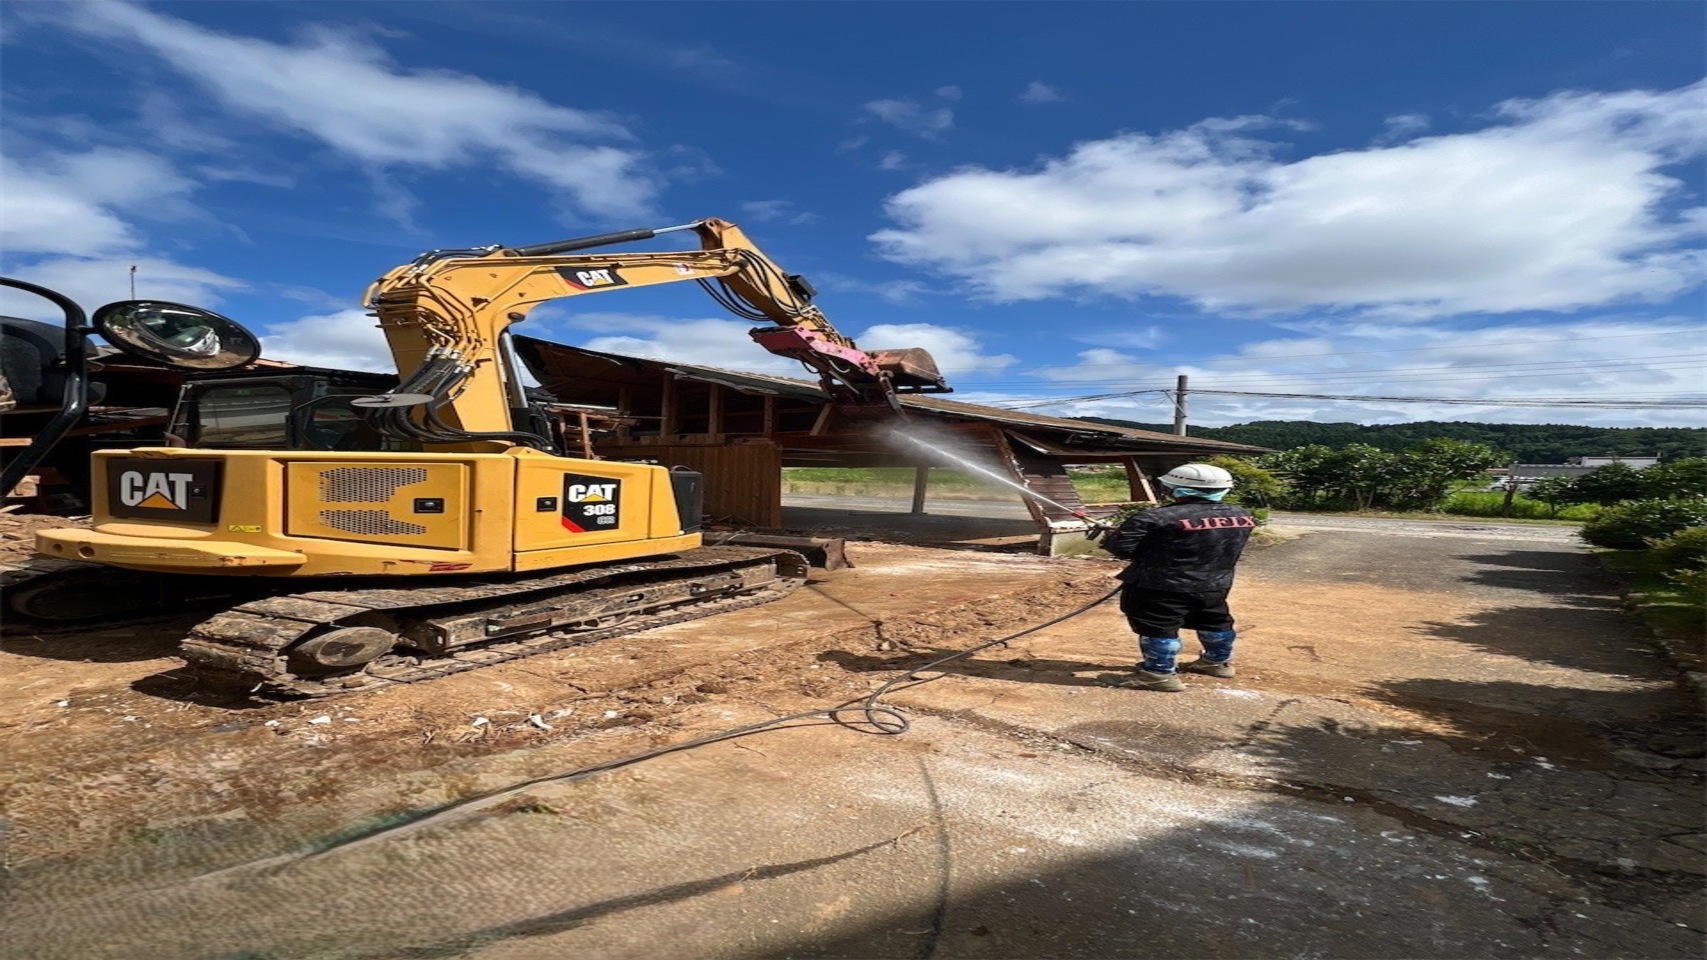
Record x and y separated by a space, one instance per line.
177 335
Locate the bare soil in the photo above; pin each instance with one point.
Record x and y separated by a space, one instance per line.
108 738
1475 708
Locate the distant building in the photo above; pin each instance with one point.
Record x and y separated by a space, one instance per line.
1524 474
1636 463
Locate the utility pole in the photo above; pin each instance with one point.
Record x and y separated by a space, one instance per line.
133 281
1179 407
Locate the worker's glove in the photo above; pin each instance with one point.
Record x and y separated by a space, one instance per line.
1096 530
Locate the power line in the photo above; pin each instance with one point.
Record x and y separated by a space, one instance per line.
1588 402
1565 367
1445 346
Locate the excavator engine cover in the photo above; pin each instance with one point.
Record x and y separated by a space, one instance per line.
912 370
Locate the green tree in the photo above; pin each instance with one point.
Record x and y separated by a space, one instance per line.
1252 485
1425 474
1610 484
1679 478
1555 492
1322 476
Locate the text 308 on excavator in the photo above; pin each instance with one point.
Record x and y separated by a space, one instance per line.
454 534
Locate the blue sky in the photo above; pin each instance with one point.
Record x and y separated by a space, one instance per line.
1495 201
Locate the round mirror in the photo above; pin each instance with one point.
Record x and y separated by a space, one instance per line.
176 335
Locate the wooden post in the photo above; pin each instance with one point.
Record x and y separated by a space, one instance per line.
624 410
586 435
670 422
770 414
1137 481
714 411
921 477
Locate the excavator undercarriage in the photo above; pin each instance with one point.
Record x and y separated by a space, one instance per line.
359 633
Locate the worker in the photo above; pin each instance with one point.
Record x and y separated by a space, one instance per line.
1182 558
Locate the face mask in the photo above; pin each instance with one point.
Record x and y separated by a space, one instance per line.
1213 496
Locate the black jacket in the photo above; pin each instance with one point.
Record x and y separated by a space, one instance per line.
1186 547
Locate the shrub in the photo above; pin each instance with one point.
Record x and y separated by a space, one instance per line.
1692 584
1629 526
1683 550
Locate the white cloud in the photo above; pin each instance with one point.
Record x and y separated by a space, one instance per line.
93 282
910 116
893 160
706 342
956 353
345 91
1037 92
768 211
69 203
1404 126
1625 359
724 343
67 226
345 340
1558 204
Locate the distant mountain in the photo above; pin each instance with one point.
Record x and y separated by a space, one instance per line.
1524 442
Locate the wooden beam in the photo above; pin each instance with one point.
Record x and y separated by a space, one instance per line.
770 415
1005 454
921 477
823 421
625 409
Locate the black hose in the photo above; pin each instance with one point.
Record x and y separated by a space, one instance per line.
871 716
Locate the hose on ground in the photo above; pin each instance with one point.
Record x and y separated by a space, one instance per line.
867 714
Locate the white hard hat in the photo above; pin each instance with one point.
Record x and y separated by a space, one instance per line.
1198 476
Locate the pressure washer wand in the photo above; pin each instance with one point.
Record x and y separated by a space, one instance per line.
1096 529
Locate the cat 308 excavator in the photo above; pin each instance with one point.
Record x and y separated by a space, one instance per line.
442 529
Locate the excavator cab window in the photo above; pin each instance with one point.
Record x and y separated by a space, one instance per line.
278 413
331 423
250 416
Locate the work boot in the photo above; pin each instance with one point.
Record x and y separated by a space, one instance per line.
1145 680
1210 668
1217 646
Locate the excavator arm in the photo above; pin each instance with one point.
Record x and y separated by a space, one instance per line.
445 315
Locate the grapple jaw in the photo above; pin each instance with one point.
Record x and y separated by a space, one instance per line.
911 370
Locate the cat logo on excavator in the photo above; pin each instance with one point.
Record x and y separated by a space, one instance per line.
156 491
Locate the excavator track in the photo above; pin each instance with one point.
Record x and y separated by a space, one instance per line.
445 628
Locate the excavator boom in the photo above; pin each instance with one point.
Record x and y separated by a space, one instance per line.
444 316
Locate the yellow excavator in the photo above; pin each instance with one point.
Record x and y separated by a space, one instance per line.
363 540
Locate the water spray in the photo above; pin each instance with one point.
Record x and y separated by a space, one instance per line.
1097 527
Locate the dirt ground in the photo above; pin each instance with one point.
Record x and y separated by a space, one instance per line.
108 739
1463 716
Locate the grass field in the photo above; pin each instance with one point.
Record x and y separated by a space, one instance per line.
1109 486
1093 487
1466 503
